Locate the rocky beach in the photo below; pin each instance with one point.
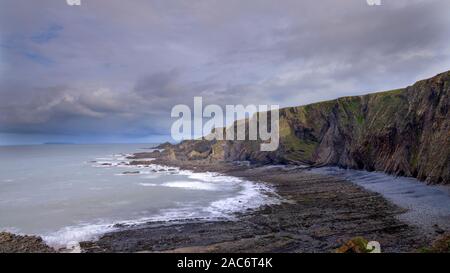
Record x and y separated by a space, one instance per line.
317 213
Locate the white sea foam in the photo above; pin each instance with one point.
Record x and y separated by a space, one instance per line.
72 235
105 164
192 185
104 158
248 195
148 184
251 196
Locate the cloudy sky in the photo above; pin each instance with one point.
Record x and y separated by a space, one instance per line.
110 71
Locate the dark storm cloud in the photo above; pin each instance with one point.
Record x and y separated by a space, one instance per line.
116 67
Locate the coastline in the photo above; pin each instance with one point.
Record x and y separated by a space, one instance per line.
319 213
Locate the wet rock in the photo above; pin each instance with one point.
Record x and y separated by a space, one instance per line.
440 245
153 154
164 145
140 162
131 172
438 229
11 243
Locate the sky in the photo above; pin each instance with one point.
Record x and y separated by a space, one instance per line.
111 71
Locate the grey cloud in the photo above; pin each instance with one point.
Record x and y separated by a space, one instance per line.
118 67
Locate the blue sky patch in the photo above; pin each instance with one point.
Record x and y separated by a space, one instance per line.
52 32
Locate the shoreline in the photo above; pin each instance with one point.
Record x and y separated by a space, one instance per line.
319 214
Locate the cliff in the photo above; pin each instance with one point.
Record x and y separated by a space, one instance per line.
403 132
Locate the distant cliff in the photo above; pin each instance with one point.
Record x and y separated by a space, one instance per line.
404 132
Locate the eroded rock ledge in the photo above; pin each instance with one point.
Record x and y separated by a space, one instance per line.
11 243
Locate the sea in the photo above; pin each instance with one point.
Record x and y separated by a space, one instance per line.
70 193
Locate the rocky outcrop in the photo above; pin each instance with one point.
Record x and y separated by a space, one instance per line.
11 243
403 132
440 245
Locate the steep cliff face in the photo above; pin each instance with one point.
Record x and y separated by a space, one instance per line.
403 132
